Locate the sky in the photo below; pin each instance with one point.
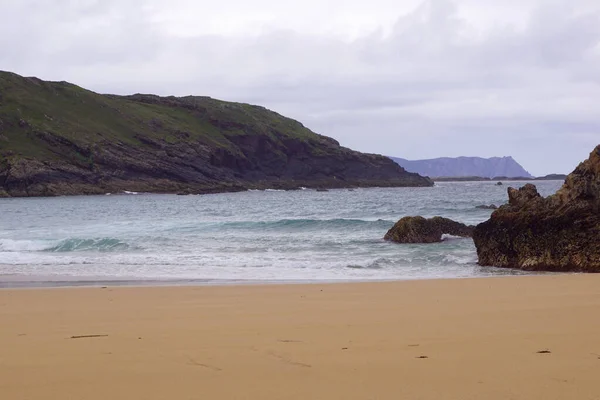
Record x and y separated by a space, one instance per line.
407 78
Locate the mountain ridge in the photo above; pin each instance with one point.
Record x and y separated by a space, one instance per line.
449 167
57 138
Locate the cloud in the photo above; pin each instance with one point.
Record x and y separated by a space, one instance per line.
417 80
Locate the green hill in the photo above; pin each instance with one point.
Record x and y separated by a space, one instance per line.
58 138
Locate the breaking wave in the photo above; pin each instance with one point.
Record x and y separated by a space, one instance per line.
290 224
66 245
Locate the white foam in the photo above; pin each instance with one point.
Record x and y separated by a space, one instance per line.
12 245
461 259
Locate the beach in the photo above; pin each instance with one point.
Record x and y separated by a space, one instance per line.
526 337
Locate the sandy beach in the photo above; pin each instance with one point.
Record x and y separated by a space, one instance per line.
497 338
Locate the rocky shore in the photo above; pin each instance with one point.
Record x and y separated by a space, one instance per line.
557 233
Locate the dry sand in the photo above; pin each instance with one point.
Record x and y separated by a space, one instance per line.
481 338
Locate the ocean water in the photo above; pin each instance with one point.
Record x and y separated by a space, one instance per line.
255 236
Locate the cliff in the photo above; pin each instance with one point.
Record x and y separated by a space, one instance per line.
447 167
557 233
57 138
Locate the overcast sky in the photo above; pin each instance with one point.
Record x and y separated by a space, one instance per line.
407 78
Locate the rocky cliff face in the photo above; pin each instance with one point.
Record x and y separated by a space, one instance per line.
558 233
57 138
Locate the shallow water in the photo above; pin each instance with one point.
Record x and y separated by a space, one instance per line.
254 236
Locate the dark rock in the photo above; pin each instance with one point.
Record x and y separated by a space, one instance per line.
322 190
524 197
499 184
558 233
485 207
421 230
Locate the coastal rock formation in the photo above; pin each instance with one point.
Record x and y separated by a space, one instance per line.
558 233
59 139
422 230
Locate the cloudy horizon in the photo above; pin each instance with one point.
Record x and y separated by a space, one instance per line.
412 79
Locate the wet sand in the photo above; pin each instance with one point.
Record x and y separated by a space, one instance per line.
497 338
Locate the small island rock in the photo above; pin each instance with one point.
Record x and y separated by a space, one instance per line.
422 230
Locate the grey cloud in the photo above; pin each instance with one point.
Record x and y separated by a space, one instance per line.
435 85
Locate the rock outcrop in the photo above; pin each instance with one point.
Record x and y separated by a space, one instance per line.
58 139
422 230
558 233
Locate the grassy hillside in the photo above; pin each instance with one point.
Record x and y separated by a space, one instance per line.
88 118
57 137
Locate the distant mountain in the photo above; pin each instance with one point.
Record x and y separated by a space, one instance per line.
465 167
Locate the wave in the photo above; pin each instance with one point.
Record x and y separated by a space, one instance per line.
102 244
461 259
14 245
288 224
66 245
378 263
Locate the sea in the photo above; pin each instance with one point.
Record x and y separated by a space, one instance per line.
268 236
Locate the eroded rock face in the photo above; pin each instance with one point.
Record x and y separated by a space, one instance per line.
422 230
558 233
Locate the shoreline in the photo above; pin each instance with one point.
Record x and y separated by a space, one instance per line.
192 191
527 338
267 189
95 282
